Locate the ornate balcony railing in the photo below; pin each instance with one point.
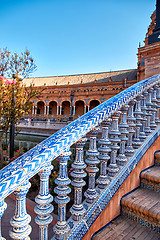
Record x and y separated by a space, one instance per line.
125 122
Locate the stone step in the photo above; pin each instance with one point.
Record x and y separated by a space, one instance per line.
143 206
125 229
150 179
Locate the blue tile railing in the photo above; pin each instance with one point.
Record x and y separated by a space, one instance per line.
124 122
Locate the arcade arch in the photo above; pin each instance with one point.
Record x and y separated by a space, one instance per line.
53 108
79 108
93 104
66 108
40 108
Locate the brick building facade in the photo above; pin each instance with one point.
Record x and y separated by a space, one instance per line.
149 54
68 97
72 96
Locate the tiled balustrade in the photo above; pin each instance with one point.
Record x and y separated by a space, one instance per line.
123 123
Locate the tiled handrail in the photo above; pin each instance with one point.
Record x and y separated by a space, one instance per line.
15 176
35 159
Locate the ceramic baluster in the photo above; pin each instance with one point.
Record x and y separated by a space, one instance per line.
142 134
138 124
114 139
149 112
43 200
153 125
62 228
131 129
157 120
92 161
20 221
3 207
123 126
104 149
77 210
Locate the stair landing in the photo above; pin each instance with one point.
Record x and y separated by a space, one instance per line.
125 229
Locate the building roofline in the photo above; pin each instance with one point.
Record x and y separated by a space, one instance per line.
87 73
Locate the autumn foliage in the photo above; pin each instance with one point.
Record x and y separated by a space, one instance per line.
15 98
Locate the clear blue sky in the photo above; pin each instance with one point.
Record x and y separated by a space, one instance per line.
76 36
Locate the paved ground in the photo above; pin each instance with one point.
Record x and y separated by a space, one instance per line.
9 212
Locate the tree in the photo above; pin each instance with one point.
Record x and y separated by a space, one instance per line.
15 99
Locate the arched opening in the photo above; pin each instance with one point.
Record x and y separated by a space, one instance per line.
79 108
53 108
94 103
40 108
66 108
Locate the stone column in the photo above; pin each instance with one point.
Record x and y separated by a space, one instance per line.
45 110
33 109
71 111
74 110
60 113
57 110
84 109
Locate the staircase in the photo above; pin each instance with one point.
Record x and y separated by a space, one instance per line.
128 125
140 215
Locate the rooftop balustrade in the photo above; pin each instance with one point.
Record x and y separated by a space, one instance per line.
127 124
